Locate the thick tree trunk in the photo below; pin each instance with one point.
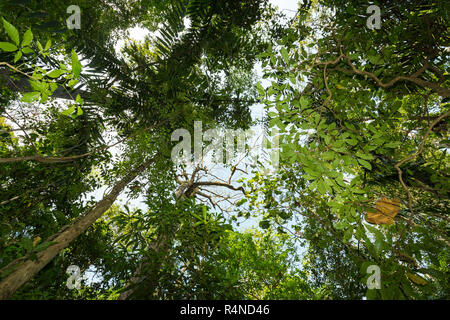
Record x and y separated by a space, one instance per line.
25 268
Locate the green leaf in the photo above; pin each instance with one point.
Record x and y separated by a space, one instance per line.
371 294
27 38
364 266
379 243
55 73
37 85
79 99
72 83
392 144
12 32
354 56
17 56
321 186
44 98
376 60
7 46
352 142
388 293
329 155
304 102
260 89
364 156
27 244
53 86
27 50
69 111
347 235
341 182
285 55
311 172
79 111
31 96
76 65
264 224
359 233
378 234
365 164
48 44
292 79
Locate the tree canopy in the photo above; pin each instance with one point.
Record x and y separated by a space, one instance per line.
94 205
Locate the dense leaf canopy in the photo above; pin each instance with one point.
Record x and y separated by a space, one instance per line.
88 176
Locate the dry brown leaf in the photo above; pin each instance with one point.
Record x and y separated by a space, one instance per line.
384 212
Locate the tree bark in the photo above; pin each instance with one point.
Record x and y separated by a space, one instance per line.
25 268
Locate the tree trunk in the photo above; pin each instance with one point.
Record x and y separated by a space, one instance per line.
25 268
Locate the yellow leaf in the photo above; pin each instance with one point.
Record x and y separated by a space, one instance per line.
390 207
36 241
384 212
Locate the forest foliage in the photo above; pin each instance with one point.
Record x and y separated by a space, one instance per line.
361 179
